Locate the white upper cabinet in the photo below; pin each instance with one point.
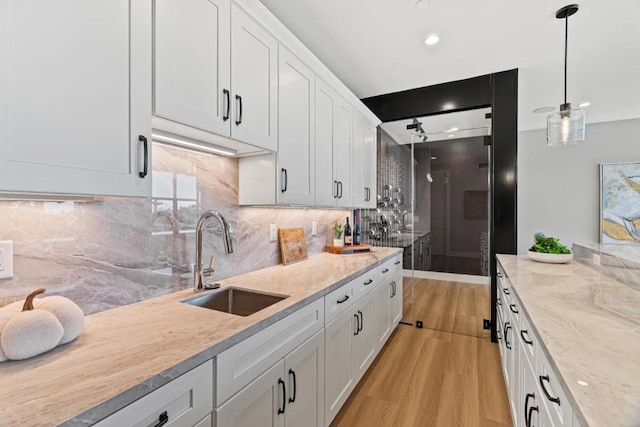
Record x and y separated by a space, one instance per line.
215 75
369 165
75 97
296 144
254 82
333 148
192 56
364 163
342 152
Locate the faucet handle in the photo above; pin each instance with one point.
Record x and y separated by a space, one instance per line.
208 272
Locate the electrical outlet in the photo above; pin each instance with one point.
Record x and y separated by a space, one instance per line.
314 228
596 259
273 233
6 259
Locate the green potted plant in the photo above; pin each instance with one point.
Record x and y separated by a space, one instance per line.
549 250
337 234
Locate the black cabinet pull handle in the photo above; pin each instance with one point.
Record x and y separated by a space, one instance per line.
340 183
335 193
357 331
526 407
227 96
397 262
366 194
528 416
544 378
368 282
145 163
498 301
498 335
285 180
506 291
239 102
524 338
513 308
386 270
292 373
162 419
343 299
507 326
361 322
498 274
284 396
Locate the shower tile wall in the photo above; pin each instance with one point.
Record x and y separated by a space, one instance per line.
123 250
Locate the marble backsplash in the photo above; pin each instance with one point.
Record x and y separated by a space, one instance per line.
110 253
621 262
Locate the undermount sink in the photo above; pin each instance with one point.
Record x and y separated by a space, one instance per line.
240 302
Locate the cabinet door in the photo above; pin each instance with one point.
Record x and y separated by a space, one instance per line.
304 368
396 299
342 151
364 342
383 314
296 117
258 404
192 69
338 374
357 165
75 96
369 164
254 82
325 185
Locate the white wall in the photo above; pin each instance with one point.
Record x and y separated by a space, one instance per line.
559 188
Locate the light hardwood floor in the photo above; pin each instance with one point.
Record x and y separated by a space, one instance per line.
447 306
445 375
425 378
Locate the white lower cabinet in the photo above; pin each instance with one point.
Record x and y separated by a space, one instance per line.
396 298
339 378
258 404
536 396
290 393
383 315
206 422
364 340
181 402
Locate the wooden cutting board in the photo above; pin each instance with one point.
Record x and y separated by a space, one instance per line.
348 249
293 247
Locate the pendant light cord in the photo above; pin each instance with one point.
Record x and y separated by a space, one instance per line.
566 46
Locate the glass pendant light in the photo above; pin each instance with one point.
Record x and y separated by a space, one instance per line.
565 127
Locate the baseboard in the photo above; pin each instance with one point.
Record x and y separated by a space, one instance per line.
449 277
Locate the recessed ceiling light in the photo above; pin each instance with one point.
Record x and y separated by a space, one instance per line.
431 40
451 136
544 110
584 104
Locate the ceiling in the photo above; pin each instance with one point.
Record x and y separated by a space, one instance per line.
443 127
377 47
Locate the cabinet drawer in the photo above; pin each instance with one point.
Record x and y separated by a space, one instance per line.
551 392
386 270
339 300
185 401
365 283
245 361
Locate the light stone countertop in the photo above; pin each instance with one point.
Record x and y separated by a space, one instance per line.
125 353
589 325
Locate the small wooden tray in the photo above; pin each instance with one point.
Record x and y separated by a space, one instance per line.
348 249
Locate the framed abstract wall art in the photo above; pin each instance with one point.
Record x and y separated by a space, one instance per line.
620 203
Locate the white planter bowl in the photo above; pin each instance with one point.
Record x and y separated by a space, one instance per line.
550 258
338 242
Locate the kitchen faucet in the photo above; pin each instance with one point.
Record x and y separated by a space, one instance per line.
198 272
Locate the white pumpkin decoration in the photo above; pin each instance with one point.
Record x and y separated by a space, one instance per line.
40 326
30 332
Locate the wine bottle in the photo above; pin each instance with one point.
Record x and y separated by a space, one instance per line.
347 233
356 231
